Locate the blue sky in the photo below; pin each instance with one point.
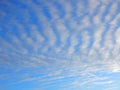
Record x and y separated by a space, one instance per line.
59 45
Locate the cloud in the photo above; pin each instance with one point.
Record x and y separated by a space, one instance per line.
66 46
112 11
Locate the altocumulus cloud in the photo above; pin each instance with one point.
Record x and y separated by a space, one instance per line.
53 41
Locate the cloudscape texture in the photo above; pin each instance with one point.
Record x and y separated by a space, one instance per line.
59 45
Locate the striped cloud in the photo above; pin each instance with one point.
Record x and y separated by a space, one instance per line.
60 39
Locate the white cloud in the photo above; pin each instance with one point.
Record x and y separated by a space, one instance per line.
117 36
73 43
112 11
93 4
97 18
63 31
103 56
103 82
85 41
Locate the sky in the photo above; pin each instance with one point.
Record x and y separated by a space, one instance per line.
59 45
